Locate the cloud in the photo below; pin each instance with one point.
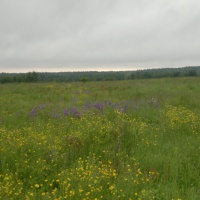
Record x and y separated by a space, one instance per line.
94 33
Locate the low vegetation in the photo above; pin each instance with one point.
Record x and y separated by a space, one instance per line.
136 139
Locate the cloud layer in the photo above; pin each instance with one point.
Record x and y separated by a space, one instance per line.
57 35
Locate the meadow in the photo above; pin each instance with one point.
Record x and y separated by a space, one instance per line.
129 140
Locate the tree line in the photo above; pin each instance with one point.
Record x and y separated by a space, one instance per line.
21 77
98 76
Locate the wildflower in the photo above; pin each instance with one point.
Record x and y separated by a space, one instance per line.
66 112
88 193
33 113
80 190
111 187
99 106
75 112
72 192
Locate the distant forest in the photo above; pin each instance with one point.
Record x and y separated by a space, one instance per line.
98 76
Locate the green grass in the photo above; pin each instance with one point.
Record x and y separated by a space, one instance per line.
100 140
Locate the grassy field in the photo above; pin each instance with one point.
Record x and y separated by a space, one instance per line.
136 140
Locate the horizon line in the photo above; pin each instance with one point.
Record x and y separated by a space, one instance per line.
104 70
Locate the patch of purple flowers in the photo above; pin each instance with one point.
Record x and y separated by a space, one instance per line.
96 108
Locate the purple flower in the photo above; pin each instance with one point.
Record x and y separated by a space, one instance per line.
55 115
99 106
42 106
33 113
75 112
66 112
124 108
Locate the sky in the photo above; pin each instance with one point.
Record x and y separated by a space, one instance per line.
98 35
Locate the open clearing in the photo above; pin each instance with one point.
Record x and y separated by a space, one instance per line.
127 140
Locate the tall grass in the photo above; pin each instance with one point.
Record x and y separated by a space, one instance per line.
101 140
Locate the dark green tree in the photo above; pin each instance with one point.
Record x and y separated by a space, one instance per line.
31 77
84 79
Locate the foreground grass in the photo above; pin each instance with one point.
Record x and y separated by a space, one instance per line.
103 140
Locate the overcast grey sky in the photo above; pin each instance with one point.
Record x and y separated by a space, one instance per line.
72 35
